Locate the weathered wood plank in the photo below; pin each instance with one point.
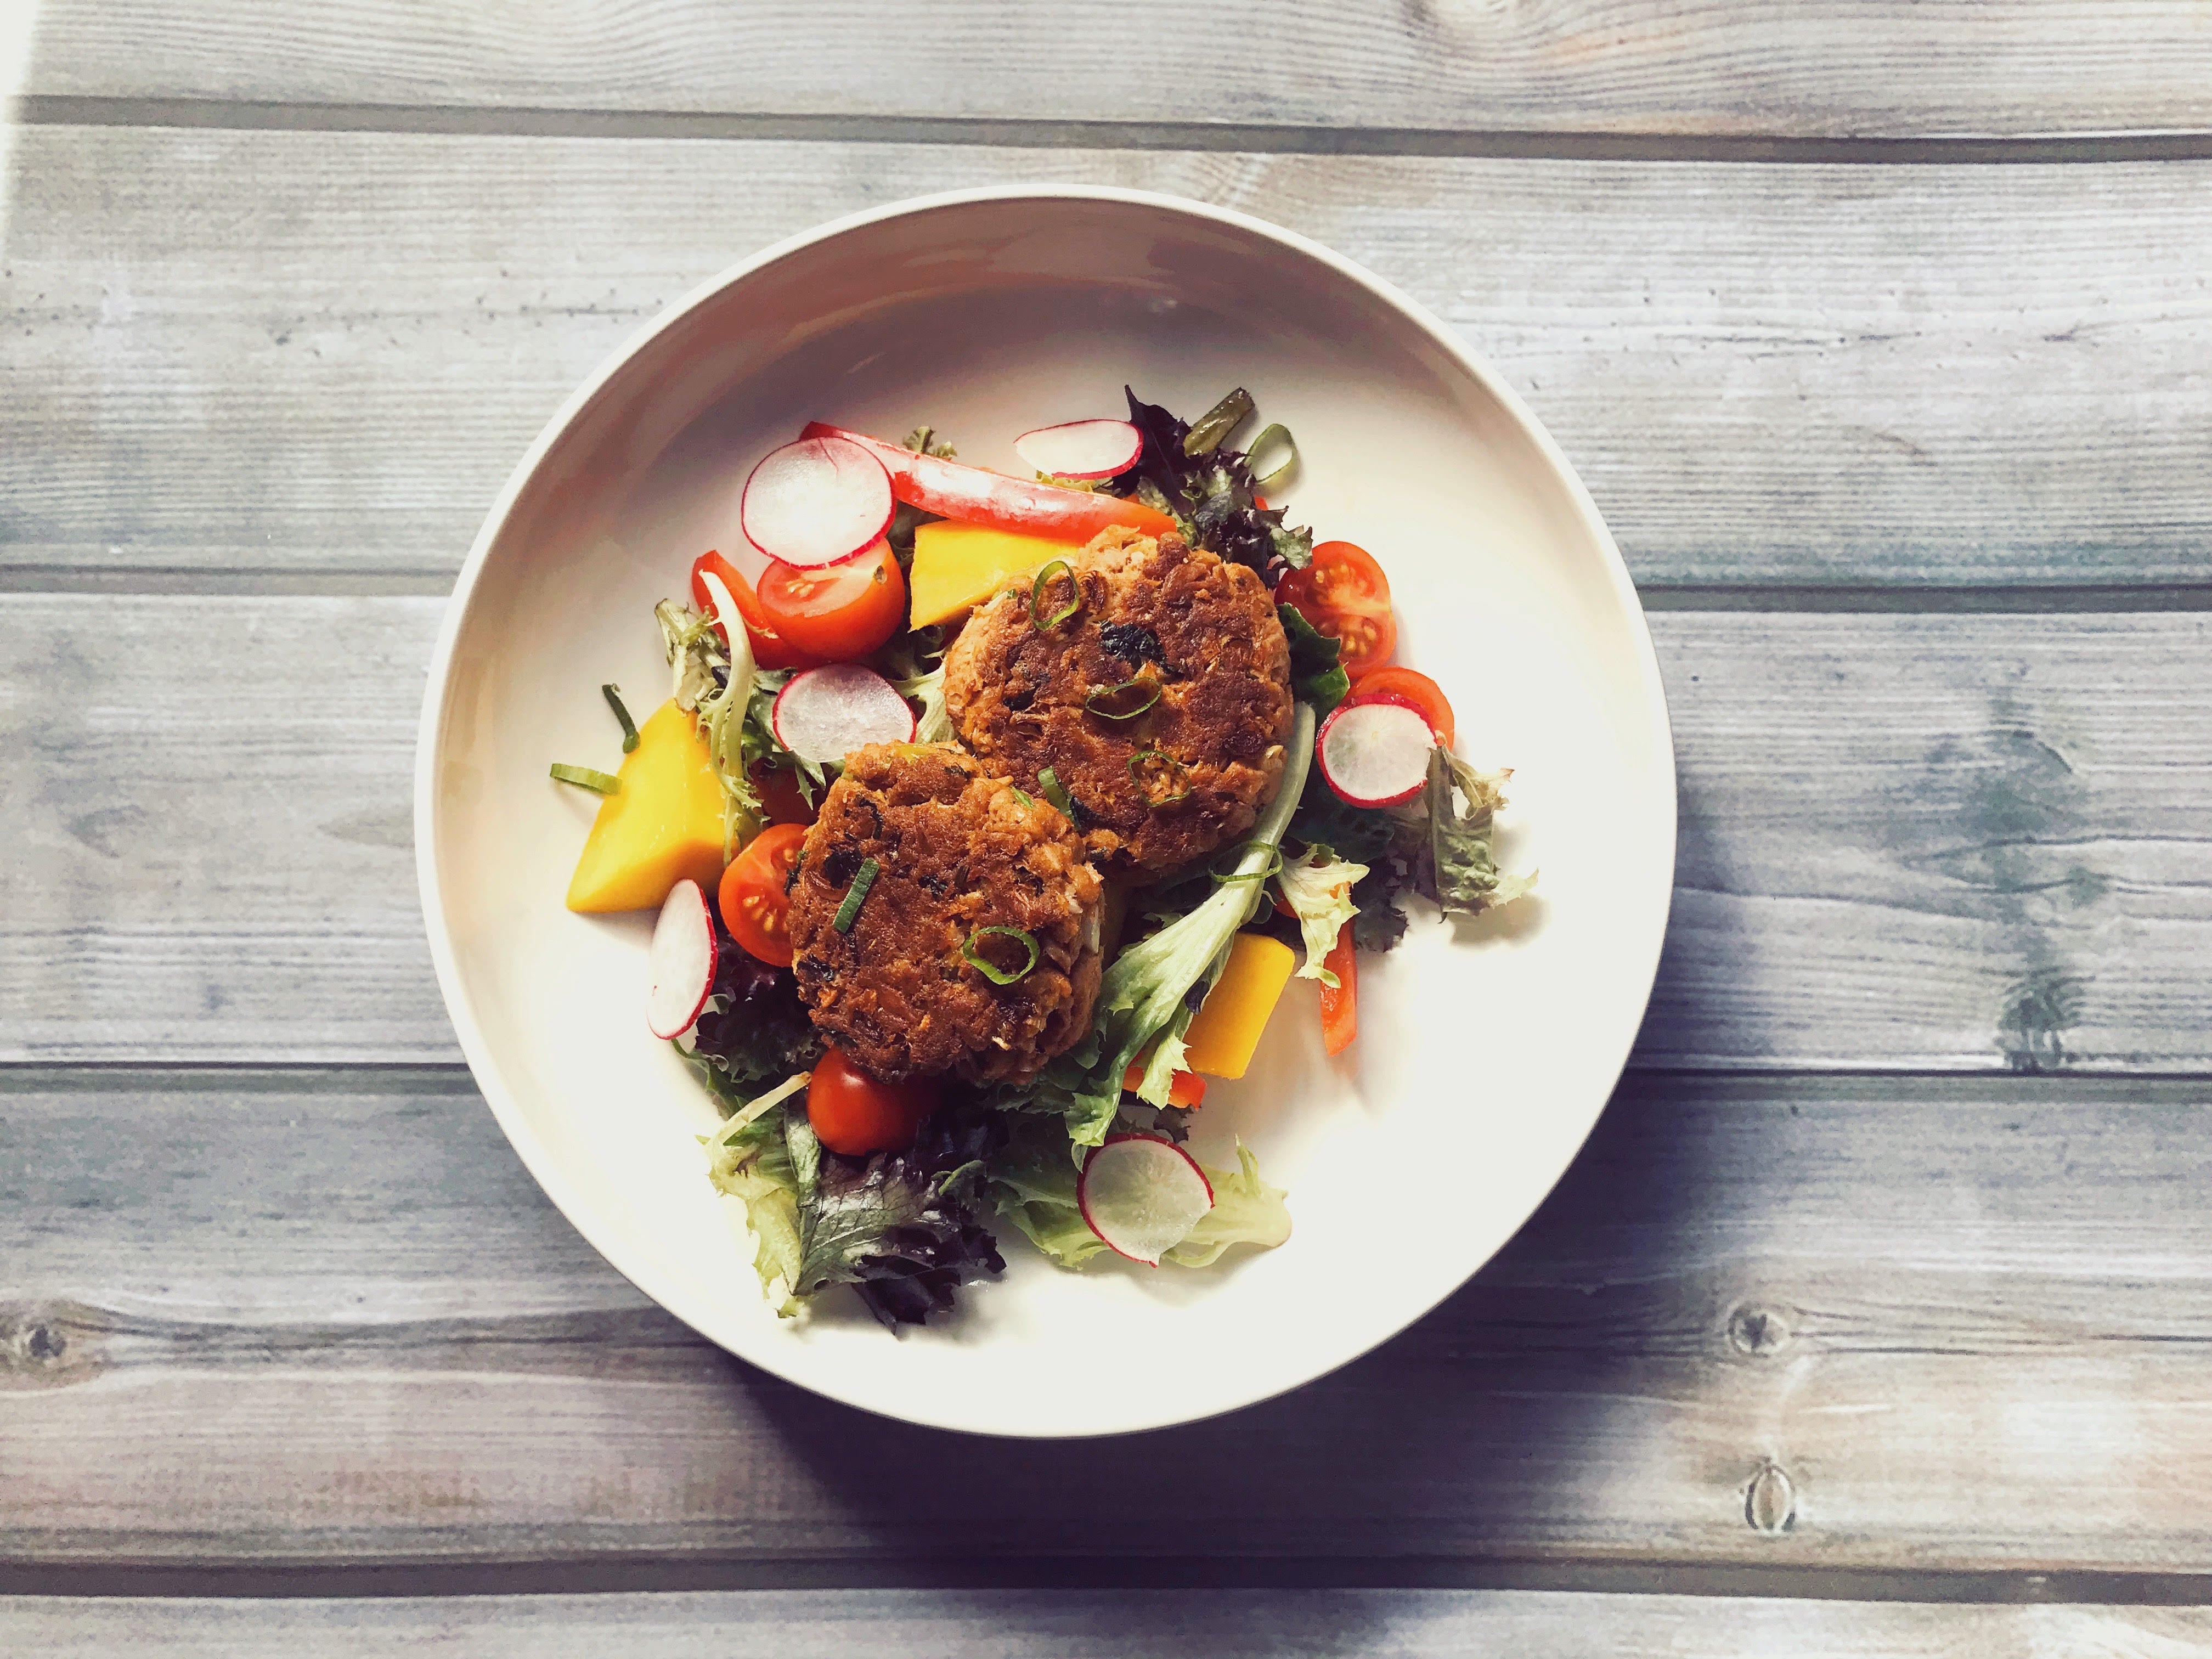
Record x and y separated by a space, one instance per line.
1832 67
1948 1325
1953 842
1080 1625
325 351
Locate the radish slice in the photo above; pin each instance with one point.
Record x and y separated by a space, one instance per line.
820 501
682 961
1142 1194
825 713
1374 751
1081 449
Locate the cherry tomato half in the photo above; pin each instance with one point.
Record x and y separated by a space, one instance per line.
770 649
755 905
1411 686
1344 593
839 611
854 1113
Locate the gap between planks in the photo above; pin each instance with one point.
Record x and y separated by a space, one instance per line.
2026 600
68 109
264 1580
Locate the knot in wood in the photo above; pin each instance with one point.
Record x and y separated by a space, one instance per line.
1758 1330
1770 1502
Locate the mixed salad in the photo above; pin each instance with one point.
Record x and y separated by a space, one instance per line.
813 697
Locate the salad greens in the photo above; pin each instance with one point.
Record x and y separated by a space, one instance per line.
1032 1180
907 1229
1317 886
1191 474
899 1227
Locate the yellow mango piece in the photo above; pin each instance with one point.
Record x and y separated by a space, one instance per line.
663 824
1226 1030
958 566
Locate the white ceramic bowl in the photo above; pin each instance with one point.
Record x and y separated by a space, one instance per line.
1485 1055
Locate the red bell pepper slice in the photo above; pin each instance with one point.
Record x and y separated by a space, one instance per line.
952 489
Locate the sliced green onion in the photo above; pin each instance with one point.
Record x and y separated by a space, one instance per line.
1116 702
856 895
1050 786
1278 434
1273 866
990 969
600 783
613 695
1044 624
1217 423
1022 795
1169 767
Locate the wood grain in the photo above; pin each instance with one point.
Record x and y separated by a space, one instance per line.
1951 843
1122 1624
283 353
1803 1325
1771 67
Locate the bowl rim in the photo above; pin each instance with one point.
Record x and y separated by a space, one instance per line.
436 703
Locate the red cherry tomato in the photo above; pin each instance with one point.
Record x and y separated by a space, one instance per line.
770 649
1340 1008
782 801
854 1113
1344 593
1413 689
838 611
753 898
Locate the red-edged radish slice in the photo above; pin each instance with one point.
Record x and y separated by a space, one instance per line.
825 713
820 501
1374 751
1142 1194
1082 449
682 960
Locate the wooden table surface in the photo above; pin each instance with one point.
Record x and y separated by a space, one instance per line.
1876 1317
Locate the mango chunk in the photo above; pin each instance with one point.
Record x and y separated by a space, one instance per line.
1226 1031
958 566
663 824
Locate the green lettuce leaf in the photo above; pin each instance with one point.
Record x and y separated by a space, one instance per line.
1317 886
1316 674
1463 877
1246 1211
1033 1182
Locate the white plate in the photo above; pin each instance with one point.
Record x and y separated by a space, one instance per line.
1483 1056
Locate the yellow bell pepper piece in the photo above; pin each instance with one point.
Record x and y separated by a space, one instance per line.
958 566
1226 1029
663 824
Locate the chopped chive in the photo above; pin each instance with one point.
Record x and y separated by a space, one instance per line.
974 956
1044 624
1273 866
613 695
1167 767
1050 786
1279 433
1217 423
1121 702
600 783
856 895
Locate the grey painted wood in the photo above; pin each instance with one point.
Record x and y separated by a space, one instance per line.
1829 67
1763 1326
1957 842
1125 1625
282 352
